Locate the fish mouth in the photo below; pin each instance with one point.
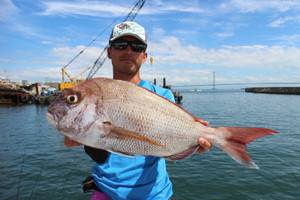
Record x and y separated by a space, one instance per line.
51 119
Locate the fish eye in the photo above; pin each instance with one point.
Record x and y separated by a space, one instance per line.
72 99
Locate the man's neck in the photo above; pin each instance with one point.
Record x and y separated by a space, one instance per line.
133 79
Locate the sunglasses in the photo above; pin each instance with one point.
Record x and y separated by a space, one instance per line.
136 46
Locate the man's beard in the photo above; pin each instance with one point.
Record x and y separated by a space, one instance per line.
130 70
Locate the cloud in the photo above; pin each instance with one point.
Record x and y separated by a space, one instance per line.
46 73
190 64
88 8
185 64
283 20
157 32
48 67
65 54
108 9
251 6
176 76
82 63
291 40
155 9
170 51
7 9
27 30
13 21
225 35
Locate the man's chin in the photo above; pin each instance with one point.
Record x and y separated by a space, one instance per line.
129 68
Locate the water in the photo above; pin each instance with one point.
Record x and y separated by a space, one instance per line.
34 164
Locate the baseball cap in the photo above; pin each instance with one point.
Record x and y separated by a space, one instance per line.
128 28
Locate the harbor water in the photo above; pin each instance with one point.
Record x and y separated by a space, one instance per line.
34 164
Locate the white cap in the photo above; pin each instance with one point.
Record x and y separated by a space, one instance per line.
128 28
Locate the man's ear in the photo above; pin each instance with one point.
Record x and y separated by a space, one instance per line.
109 52
145 57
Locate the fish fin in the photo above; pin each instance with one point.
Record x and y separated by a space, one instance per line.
70 143
236 140
119 132
202 121
184 154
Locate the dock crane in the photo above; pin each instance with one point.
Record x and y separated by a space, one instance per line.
72 80
101 58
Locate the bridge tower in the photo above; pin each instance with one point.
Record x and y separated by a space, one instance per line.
214 80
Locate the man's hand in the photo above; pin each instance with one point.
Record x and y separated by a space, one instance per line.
204 145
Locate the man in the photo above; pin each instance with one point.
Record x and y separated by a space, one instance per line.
140 177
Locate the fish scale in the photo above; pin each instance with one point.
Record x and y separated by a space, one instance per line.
145 128
122 117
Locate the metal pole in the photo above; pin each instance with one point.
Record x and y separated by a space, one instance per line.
214 80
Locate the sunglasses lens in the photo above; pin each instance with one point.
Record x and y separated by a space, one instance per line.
135 45
119 45
138 47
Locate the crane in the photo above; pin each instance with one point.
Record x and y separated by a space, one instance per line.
73 80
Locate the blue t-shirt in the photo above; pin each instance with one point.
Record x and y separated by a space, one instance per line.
137 177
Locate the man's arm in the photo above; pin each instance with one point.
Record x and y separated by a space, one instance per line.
98 155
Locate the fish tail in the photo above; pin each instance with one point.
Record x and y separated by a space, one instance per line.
236 140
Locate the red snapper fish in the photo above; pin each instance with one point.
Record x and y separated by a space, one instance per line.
121 117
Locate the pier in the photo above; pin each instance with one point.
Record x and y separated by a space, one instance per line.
12 93
8 96
274 90
177 95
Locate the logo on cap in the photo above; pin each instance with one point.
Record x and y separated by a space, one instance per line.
123 26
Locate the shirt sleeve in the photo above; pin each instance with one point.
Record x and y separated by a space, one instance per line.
169 95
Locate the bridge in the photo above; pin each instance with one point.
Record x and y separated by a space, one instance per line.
213 85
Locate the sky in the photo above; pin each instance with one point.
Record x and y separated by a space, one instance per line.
240 40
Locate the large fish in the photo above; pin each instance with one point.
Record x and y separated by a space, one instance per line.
122 117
